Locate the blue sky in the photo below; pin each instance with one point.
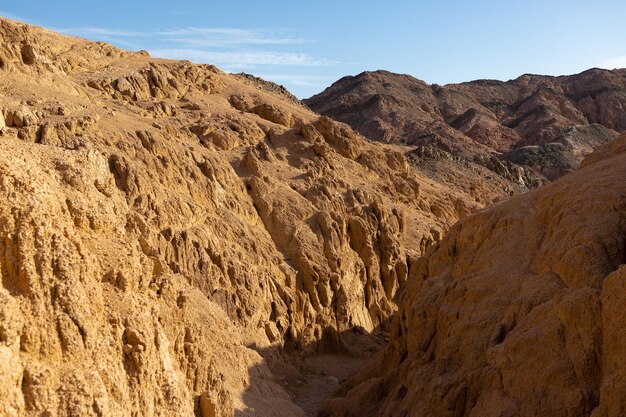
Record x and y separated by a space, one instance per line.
306 45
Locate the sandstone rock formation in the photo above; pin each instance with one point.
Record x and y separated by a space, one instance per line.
532 121
518 311
161 223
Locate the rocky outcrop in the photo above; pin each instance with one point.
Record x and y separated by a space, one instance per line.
161 223
268 85
483 178
515 312
555 159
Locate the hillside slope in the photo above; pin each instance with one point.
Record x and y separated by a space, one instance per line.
518 311
484 115
163 223
526 131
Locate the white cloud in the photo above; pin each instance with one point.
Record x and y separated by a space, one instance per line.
299 79
89 31
225 37
232 49
120 37
240 60
615 62
192 36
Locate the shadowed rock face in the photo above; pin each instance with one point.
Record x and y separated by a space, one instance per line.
485 117
516 312
554 159
162 222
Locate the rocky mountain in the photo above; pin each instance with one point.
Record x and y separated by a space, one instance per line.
163 225
518 311
539 126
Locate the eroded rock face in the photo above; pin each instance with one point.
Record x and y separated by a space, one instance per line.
29 55
515 312
160 222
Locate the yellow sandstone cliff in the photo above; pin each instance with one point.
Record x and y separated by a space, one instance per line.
518 311
161 223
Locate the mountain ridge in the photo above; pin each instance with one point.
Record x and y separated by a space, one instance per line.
504 137
374 83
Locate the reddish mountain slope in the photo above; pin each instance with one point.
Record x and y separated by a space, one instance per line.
485 117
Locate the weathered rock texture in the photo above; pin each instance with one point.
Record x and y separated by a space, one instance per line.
543 125
159 220
518 311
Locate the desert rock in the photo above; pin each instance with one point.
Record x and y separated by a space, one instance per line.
515 311
157 235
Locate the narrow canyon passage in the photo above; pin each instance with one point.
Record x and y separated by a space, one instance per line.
312 378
